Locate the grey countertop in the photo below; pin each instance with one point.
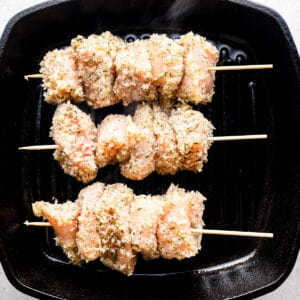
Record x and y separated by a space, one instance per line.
290 11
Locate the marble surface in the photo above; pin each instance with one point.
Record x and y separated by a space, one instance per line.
290 11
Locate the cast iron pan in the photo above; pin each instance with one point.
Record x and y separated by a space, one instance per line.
249 185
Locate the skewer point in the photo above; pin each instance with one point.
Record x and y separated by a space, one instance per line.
37 224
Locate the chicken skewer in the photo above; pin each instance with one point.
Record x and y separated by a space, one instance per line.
216 68
166 141
110 223
226 138
103 70
195 231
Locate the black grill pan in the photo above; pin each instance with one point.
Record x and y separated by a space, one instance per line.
249 185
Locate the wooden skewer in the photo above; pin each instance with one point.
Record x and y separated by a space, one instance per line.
38 224
240 68
217 68
212 139
238 137
39 147
234 233
27 77
195 231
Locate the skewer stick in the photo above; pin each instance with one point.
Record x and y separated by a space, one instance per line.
39 147
216 68
240 68
234 233
213 139
238 137
27 77
38 224
195 231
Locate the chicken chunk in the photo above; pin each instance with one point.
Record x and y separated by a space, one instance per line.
134 80
198 83
96 56
175 236
192 132
87 236
145 213
110 223
63 219
113 213
166 155
117 135
166 57
141 162
60 79
75 135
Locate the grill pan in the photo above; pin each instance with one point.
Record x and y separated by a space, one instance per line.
250 185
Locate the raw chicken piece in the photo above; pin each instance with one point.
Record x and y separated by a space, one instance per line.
95 58
60 77
87 237
75 135
134 80
141 162
197 85
63 219
113 213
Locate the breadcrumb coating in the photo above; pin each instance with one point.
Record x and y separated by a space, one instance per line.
134 80
197 85
61 81
166 153
141 162
63 219
192 131
75 135
166 57
103 70
145 213
174 235
117 135
87 237
110 223
113 213
96 69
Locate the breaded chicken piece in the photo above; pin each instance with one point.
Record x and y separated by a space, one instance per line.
198 83
113 213
87 236
141 162
75 135
60 78
192 131
175 236
117 135
95 57
134 80
166 155
166 57
63 219
145 213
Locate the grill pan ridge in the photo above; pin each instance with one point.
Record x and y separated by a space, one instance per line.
249 185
